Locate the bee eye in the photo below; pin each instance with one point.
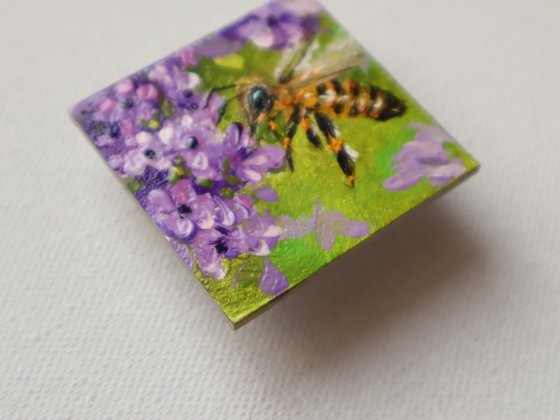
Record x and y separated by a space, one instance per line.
258 100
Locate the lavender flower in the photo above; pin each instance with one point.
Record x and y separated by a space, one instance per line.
265 193
273 26
246 159
193 137
183 252
238 230
329 224
208 259
256 235
272 280
190 136
145 150
241 229
187 57
180 212
278 25
425 157
177 84
123 107
326 224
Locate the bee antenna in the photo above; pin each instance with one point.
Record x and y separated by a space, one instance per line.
214 90
222 110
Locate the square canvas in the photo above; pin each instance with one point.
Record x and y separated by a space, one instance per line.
269 148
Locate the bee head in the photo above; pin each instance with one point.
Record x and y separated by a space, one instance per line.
259 102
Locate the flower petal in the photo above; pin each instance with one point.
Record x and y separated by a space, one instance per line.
266 193
161 201
272 281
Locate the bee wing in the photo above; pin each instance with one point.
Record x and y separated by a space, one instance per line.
290 61
320 66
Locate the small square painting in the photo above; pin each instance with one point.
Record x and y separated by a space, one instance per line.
269 148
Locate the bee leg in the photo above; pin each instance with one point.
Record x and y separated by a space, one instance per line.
273 126
311 133
293 123
345 161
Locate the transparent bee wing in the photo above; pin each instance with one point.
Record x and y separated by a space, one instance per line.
291 60
318 66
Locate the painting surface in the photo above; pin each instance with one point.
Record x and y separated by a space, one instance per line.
269 148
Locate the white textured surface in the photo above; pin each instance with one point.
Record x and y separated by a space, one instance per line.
452 313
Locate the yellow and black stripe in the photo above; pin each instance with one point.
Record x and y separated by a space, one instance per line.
350 99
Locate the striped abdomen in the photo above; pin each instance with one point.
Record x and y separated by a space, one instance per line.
349 99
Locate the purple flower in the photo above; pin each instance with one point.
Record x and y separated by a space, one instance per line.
242 230
177 84
121 108
272 281
238 230
266 193
187 57
326 225
192 137
208 259
246 159
279 24
180 212
145 150
425 157
256 235
329 224
213 228
216 45
273 26
183 252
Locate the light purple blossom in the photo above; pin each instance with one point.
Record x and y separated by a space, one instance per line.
208 260
145 150
180 212
193 137
256 235
242 230
265 193
187 57
329 224
325 224
425 157
247 160
272 280
278 24
273 26
183 251
216 45
238 230
177 84
117 111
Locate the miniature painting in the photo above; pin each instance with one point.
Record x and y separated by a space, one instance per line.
266 150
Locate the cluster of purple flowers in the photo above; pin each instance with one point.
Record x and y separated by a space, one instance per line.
279 24
425 157
201 205
160 134
157 129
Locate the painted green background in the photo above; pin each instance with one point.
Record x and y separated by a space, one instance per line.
317 176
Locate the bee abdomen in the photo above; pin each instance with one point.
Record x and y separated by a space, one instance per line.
350 99
383 105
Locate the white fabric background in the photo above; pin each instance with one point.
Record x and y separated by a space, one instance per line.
452 313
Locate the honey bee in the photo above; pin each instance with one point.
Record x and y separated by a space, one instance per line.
313 98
